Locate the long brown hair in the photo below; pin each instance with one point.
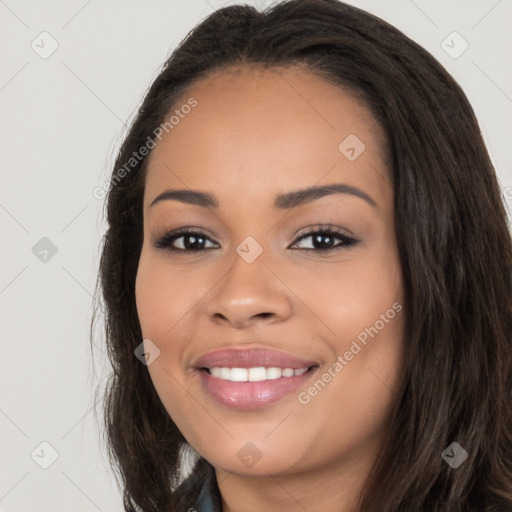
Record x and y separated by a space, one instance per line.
454 245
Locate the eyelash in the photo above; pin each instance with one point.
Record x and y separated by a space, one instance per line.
165 242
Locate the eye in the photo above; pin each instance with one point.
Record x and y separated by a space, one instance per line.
322 239
188 240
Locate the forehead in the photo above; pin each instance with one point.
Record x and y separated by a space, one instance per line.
266 131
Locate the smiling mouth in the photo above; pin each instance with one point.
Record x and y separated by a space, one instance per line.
255 374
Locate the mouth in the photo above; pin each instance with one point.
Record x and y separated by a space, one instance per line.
248 379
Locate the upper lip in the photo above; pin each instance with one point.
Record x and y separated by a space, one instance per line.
252 358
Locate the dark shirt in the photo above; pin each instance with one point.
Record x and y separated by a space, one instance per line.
209 499
206 502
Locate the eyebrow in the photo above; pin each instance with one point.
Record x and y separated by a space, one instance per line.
282 201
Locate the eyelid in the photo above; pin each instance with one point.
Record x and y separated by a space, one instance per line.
167 233
323 227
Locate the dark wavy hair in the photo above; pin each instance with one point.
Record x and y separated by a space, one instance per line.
454 245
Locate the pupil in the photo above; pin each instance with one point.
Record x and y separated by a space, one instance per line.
327 237
194 242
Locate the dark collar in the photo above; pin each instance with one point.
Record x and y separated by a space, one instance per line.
205 502
209 499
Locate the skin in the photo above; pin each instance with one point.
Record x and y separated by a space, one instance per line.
255 134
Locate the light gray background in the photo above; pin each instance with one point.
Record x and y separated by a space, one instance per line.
62 119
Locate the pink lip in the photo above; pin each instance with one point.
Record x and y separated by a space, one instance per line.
251 395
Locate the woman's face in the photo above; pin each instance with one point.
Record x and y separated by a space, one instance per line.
246 295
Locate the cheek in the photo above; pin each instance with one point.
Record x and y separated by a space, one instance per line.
353 395
360 312
163 300
341 300
165 297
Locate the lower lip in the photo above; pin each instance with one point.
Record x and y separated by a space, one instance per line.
252 395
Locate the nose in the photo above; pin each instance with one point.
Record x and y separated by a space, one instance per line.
248 294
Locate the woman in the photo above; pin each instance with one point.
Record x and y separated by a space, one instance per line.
306 276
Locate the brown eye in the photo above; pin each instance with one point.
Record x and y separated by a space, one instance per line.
184 240
323 240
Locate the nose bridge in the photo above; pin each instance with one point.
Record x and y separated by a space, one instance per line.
249 288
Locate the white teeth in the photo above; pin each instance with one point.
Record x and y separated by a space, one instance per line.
222 373
239 374
254 374
274 373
